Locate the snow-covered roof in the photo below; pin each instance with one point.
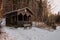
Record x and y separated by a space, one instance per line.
26 8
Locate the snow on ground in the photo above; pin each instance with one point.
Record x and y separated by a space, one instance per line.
31 34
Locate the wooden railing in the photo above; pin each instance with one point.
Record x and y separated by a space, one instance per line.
24 23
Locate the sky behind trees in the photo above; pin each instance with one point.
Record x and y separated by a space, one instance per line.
55 4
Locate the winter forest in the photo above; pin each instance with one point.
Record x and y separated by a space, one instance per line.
29 19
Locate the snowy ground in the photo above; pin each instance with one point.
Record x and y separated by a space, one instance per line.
31 34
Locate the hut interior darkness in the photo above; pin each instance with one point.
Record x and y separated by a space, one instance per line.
19 18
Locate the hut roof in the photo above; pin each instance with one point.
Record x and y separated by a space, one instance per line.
26 8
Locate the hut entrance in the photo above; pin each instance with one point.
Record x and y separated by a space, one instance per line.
20 17
20 20
25 17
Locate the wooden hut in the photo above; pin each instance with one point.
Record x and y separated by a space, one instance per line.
19 18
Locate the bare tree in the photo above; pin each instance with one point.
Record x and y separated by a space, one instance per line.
1 8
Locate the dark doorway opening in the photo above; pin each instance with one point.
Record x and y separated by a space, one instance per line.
20 17
25 17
